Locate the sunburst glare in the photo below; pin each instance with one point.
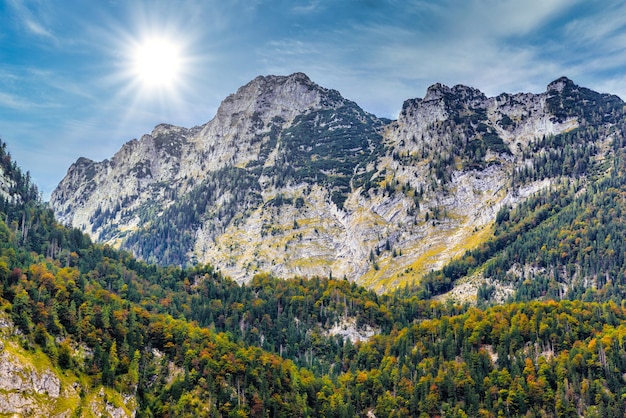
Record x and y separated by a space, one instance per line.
157 63
153 67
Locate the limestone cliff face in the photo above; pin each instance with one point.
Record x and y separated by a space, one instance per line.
21 385
455 153
104 198
6 184
293 179
13 188
31 386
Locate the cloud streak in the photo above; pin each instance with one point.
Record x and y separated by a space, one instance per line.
29 21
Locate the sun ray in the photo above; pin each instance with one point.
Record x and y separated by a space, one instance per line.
153 65
157 62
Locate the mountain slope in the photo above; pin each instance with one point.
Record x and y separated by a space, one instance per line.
81 334
293 179
90 331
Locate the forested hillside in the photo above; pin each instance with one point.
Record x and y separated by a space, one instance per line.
191 342
565 242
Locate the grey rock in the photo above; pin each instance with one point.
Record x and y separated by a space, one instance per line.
242 229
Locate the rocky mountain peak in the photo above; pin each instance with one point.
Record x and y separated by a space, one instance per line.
83 167
469 95
84 161
438 104
284 96
458 93
560 84
440 101
436 92
165 128
245 126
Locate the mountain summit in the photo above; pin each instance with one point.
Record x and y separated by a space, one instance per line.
293 179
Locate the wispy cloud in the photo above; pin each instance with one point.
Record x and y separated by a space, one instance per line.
58 82
37 28
13 102
29 20
28 89
16 102
601 27
289 48
309 7
497 45
506 18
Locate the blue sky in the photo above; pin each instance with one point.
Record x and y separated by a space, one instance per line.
68 87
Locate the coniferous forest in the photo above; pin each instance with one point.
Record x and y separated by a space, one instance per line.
556 348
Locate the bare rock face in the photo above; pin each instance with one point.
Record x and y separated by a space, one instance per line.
293 179
98 196
25 391
30 386
6 184
21 387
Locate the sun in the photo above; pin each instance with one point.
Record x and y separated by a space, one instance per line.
153 65
157 63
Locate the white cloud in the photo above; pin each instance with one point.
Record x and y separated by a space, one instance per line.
29 21
310 7
615 85
37 28
600 27
510 17
285 48
13 102
17 102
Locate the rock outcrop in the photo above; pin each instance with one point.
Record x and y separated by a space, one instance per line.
21 383
31 386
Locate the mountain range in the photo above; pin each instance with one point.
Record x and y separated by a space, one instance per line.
512 209
292 179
